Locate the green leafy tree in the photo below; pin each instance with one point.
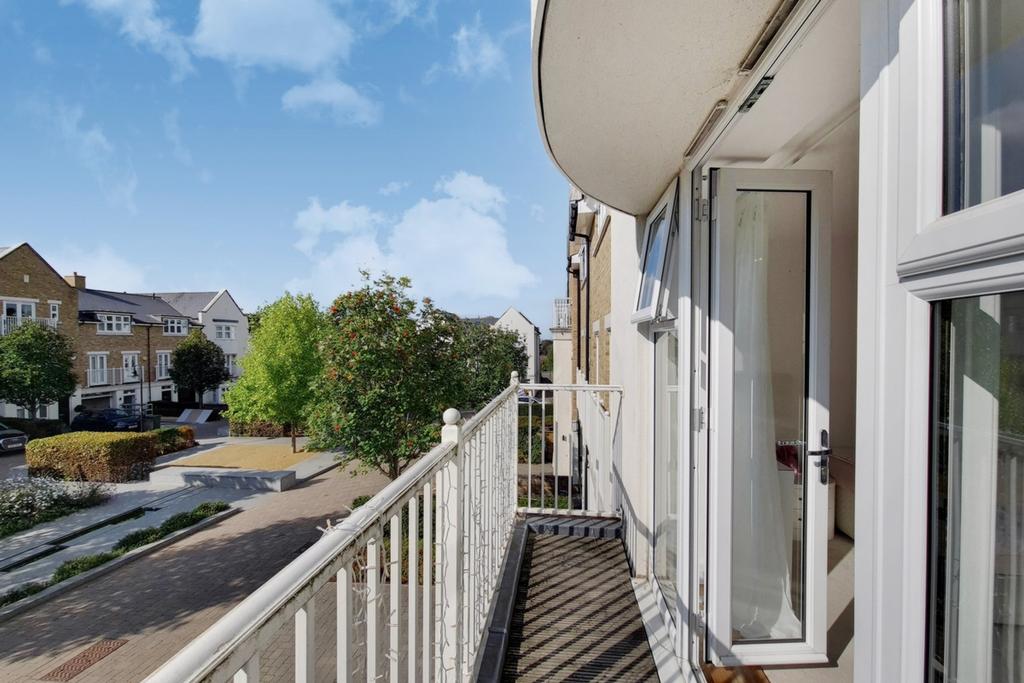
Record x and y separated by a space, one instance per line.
36 367
198 365
391 367
282 365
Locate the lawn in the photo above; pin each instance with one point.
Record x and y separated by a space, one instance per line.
256 456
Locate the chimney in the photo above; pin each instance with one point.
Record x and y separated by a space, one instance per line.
75 280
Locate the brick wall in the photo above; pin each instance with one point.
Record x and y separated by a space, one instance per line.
24 274
116 345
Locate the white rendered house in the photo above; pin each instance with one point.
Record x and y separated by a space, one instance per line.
223 323
513 320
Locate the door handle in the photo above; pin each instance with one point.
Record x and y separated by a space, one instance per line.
823 455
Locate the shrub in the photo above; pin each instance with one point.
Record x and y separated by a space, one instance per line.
23 592
171 439
27 502
177 522
36 429
137 539
82 564
360 501
93 456
266 429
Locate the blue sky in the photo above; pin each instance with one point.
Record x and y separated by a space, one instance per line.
264 145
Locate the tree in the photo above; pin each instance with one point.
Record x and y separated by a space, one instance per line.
36 367
198 365
282 365
391 367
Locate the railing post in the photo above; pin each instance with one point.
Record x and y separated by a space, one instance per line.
451 521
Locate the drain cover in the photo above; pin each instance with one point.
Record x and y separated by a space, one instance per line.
83 660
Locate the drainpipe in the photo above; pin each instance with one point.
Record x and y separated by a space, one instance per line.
573 212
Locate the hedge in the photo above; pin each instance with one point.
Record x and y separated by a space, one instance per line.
36 429
268 429
93 456
171 439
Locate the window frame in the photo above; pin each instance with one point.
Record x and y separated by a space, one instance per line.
666 204
120 324
163 370
224 331
175 327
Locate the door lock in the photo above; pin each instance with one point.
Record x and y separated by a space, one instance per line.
823 456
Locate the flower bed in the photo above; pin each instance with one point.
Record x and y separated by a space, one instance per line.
134 540
27 502
93 456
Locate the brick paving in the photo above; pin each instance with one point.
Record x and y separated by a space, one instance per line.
160 602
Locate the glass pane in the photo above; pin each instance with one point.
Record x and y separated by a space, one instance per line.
976 539
666 465
654 257
984 101
769 390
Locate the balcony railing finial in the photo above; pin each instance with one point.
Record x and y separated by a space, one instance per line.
450 431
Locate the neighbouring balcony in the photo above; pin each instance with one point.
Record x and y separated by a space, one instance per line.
438 577
561 319
100 377
10 323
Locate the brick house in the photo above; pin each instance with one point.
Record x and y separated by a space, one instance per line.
30 289
124 343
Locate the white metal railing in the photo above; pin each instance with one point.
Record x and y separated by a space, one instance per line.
98 377
415 572
561 319
10 323
416 569
575 480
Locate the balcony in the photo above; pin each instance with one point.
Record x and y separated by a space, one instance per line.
561 320
441 576
101 377
10 323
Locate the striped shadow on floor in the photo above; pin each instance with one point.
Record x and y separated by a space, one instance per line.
575 616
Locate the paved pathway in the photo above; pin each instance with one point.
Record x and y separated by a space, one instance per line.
160 602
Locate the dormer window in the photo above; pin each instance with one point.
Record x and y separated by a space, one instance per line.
175 326
112 323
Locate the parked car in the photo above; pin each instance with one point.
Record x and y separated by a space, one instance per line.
11 439
109 420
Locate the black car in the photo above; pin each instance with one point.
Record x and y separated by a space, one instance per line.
109 420
11 439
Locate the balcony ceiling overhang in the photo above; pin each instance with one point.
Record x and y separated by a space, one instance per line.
622 88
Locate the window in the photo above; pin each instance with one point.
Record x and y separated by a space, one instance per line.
163 364
984 101
224 331
976 491
97 373
132 368
230 363
54 312
657 247
583 263
110 323
175 326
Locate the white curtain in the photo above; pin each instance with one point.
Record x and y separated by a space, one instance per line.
762 545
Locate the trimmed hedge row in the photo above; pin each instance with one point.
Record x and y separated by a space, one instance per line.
93 456
171 439
267 429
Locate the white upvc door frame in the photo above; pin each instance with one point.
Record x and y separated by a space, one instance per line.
811 649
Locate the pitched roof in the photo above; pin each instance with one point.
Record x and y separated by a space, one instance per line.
144 308
189 303
522 315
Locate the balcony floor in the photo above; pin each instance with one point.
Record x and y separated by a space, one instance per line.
576 617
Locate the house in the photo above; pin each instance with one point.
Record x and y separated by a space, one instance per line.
124 345
514 321
223 323
817 282
31 290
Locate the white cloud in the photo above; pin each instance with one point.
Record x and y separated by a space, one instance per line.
41 54
454 247
302 35
343 102
344 218
103 267
172 131
140 23
476 55
94 151
394 187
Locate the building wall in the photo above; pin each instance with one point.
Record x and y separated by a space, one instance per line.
514 321
599 284
225 310
25 275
